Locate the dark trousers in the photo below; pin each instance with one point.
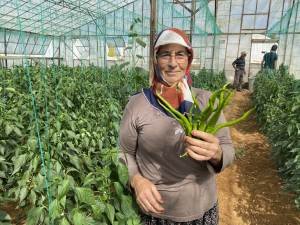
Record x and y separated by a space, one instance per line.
211 217
238 79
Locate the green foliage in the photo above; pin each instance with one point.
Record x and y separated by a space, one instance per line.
277 100
209 80
58 143
135 42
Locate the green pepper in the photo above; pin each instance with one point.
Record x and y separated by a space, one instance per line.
207 119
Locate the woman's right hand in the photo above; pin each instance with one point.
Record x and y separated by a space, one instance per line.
147 196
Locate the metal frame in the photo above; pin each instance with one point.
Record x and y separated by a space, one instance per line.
67 10
71 19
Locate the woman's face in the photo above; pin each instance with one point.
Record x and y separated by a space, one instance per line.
172 60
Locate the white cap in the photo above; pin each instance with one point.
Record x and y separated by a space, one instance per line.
170 37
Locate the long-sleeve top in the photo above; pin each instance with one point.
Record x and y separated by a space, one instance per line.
151 143
239 63
269 60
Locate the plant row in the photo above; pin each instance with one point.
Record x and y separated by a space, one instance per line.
277 100
58 143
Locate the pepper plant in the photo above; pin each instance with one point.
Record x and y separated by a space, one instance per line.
58 145
277 101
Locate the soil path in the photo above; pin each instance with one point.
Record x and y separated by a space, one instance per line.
250 191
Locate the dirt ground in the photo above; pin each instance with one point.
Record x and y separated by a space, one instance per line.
250 191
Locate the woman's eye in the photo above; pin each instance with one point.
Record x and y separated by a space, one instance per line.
165 55
181 54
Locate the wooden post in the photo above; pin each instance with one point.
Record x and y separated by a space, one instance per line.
192 25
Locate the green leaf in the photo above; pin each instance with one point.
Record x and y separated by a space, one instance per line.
64 221
141 42
58 125
10 89
8 129
2 174
133 221
88 180
32 197
290 129
126 206
76 162
54 209
110 212
295 107
19 162
69 103
35 163
32 143
86 141
85 195
79 218
98 209
118 188
17 131
63 202
296 150
59 146
120 217
70 144
23 194
123 174
2 149
63 189
34 215
71 134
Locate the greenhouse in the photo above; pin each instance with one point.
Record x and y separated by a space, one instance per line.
68 69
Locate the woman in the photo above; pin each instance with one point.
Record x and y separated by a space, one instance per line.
170 189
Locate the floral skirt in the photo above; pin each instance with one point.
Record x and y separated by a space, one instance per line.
211 217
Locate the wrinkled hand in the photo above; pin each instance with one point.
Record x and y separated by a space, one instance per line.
203 147
148 198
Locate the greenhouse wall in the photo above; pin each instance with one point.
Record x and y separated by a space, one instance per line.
80 38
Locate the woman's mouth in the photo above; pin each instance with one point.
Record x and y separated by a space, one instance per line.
172 72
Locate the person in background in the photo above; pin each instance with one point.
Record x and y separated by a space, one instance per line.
239 67
170 189
270 59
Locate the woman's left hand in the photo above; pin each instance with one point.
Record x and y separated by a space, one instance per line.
203 147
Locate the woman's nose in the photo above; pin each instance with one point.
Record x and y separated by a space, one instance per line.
172 61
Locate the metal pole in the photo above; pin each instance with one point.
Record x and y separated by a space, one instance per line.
214 37
104 45
293 38
286 38
59 42
153 23
5 48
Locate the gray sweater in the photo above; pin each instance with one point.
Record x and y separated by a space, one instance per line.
151 143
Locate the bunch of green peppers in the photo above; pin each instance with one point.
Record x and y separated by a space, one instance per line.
207 118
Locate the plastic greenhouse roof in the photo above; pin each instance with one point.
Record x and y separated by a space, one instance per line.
54 17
